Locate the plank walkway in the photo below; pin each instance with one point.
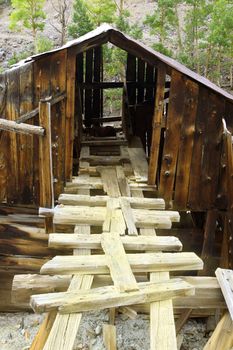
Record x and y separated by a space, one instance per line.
108 197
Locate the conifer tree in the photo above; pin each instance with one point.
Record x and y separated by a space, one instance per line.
28 13
81 22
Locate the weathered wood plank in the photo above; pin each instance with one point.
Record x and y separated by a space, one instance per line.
99 201
148 262
194 199
88 93
110 183
42 90
70 109
222 337
95 216
26 159
58 119
208 294
138 160
12 112
109 336
122 182
45 157
107 297
118 263
172 138
157 124
27 129
162 326
128 216
212 151
131 77
186 145
141 243
225 280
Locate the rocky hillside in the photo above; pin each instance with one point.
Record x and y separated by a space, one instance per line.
15 43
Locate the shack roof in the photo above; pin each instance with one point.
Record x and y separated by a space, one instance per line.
106 33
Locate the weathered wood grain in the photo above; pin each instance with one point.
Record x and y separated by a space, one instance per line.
157 124
108 297
172 138
148 262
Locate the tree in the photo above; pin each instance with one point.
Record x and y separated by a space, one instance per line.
164 20
30 14
102 11
81 22
62 10
196 21
220 39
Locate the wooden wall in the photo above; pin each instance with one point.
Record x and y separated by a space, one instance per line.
23 88
187 158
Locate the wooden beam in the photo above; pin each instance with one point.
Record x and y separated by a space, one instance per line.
208 294
156 124
107 297
118 263
45 157
10 125
128 216
109 336
141 243
222 337
43 333
53 100
225 280
99 201
148 262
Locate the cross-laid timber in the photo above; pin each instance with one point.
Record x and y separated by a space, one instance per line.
107 297
118 263
140 243
72 187
95 216
208 294
9 125
99 201
147 262
128 216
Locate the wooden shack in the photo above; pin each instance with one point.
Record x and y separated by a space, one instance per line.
183 120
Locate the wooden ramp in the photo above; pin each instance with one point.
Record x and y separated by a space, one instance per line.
114 233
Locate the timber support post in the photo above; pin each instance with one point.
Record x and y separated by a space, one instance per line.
45 162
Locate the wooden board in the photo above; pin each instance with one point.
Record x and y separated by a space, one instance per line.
107 297
222 337
157 124
186 145
172 137
225 279
148 262
141 243
99 201
194 198
118 263
95 216
128 216
138 161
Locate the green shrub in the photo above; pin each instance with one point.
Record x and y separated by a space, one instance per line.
43 44
18 57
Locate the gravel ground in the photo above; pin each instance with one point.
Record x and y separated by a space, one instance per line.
18 330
